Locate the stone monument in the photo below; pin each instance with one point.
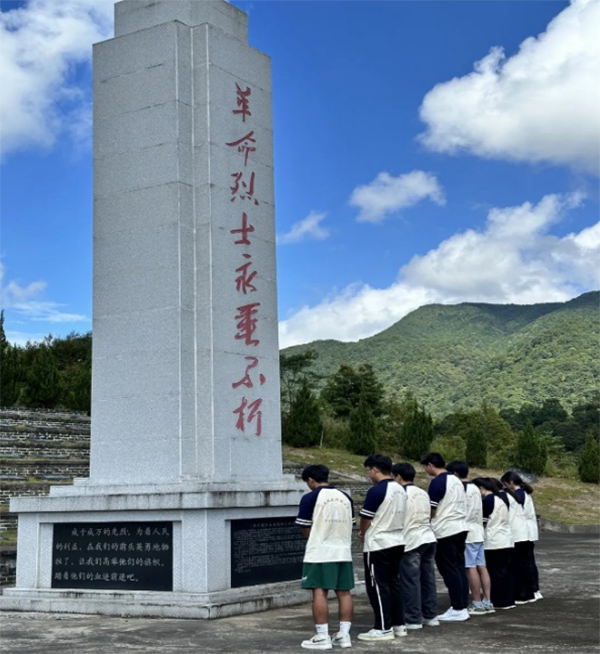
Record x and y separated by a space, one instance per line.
186 512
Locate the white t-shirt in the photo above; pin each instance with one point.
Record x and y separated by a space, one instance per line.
385 505
417 524
329 513
447 497
497 532
517 520
530 518
474 510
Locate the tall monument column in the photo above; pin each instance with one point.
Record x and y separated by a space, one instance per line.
185 377
186 511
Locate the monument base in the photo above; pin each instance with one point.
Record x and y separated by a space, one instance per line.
203 606
184 550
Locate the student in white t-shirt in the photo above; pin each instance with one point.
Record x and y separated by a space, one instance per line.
479 578
382 533
448 521
498 542
326 516
417 568
525 532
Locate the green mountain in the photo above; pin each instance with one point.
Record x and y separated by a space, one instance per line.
453 356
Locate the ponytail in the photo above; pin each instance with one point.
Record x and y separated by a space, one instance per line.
510 476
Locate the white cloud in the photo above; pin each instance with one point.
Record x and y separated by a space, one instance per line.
514 259
46 312
40 43
308 228
540 105
24 301
386 194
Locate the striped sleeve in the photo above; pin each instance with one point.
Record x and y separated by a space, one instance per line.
374 498
488 508
305 511
437 490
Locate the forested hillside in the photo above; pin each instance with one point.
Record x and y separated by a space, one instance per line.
452 357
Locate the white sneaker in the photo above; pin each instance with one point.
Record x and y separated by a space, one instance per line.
414 626
317 642
434 622
445 614
537 595
455 616
377 634
399 631
341 640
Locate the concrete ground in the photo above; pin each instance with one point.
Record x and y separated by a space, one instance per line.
566 620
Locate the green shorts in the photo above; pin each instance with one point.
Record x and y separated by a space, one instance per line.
329 576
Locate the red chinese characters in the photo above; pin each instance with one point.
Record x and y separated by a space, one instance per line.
243 102
248 412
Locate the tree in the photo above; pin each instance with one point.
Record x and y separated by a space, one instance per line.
475 442
302 425
589 460
44 386
363 429
499 437
10 369
417 430
78 395
531 451
293 369
345 388
342 391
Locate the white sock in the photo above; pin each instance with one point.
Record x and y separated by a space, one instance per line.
345 628
322 629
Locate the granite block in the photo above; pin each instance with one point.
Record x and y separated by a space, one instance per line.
143 209
132 16
165 123
156 46
212 46
147 87
135 252
136 331
138 374
152 166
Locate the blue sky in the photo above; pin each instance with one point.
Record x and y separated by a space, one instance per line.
439 151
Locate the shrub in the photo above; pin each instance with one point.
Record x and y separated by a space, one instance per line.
589 460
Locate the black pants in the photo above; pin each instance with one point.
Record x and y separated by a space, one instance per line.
450 560
417 575
382 578
498 563
534 568
523 571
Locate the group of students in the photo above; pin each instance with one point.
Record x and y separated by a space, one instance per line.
479 533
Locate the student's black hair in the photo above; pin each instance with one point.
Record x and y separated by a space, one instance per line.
318 472
404 470
435 458
458 467
487 483
381 462
510 476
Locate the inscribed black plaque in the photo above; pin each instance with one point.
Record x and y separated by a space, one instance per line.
264 550
113 555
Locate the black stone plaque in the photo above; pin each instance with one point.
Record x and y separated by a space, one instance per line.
264 550
113 555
